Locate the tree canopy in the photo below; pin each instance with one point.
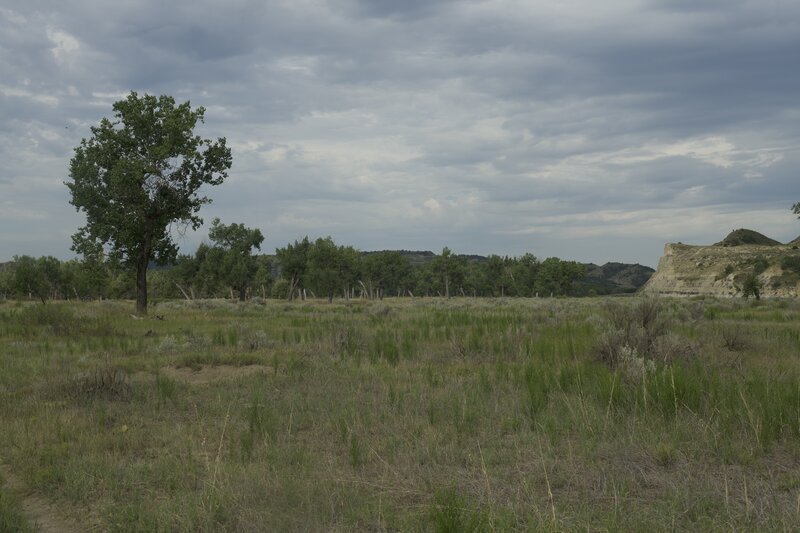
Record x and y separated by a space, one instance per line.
140 174
236 243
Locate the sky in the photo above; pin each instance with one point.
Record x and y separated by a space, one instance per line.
590 131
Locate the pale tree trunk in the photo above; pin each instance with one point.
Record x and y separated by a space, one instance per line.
182 291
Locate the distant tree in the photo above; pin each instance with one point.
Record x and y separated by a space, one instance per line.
526 270
28 279
184 274
6 283
556 276
238 266
450 269
387 272
476 280
500 275
92 277
292 260
751 286
137 176
36 277
330 267
263 275
209 278
426 281
349 265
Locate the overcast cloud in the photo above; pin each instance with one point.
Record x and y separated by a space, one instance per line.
593 131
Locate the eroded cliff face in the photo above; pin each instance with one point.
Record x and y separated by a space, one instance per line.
720 270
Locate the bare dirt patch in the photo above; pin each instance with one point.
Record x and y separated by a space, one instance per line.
43 514
209 374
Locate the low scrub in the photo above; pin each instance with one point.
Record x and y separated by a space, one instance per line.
637 336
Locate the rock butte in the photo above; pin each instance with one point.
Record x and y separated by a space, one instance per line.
719 270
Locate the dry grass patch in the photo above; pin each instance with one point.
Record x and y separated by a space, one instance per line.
208 373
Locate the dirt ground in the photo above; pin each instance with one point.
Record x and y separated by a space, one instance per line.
44 515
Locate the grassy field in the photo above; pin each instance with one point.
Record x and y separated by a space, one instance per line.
410 415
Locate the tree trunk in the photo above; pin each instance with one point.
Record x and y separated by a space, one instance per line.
182 291
141 285
242 294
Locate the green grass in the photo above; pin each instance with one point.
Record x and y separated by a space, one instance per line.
420 415
12 517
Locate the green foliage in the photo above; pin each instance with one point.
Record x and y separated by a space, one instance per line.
137 176
452 513
751 286
743 236
293 260
12 517
330 267
280 289
450 270
236 264
556 276
791 263
727 272
385 273
403 415
760 264
31 278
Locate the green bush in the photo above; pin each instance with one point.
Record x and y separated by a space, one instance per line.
751 286
791 263
760 264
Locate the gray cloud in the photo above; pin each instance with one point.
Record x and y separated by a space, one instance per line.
571 129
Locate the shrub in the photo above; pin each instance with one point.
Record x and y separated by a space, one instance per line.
637 338
102 382
632 328
672 347
760 264
734 339
791 263
725 273
280 289
751 286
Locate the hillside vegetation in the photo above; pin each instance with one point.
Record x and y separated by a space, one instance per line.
743 236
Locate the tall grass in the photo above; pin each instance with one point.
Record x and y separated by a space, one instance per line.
408 415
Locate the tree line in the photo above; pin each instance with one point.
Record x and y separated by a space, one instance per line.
227 267
140 174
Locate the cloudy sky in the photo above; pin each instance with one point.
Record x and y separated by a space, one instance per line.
586 130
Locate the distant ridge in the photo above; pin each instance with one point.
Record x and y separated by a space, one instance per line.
618 277
744 236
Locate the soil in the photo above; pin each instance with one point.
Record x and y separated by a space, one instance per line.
209 374
43 514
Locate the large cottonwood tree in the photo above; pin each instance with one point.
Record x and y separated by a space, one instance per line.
138 176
